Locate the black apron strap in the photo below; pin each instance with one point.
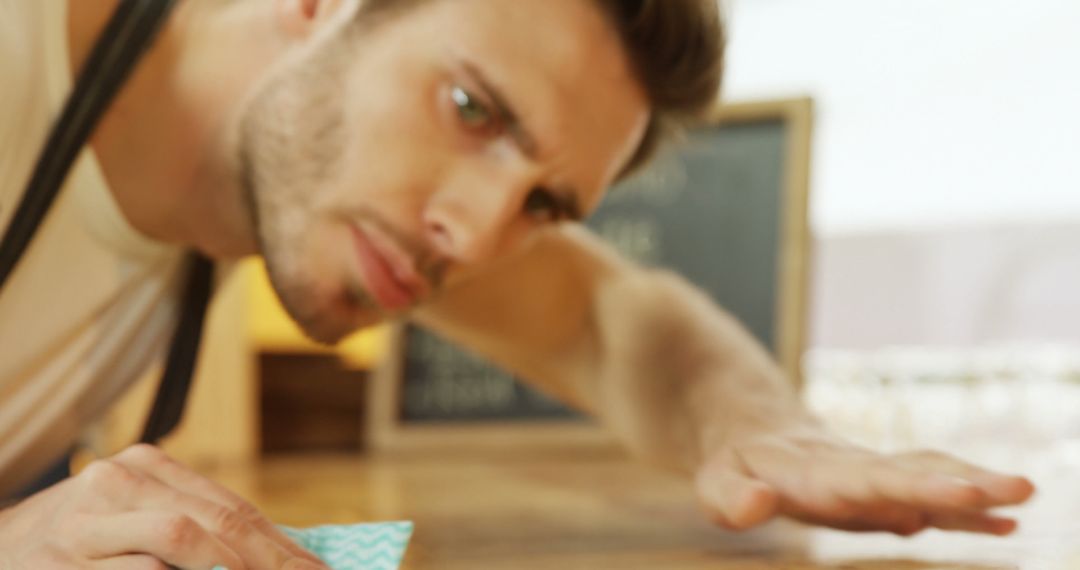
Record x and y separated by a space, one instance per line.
175 382
128 34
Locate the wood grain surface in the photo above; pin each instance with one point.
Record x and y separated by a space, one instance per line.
581 508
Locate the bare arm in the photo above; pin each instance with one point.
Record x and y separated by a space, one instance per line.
686 387
645 352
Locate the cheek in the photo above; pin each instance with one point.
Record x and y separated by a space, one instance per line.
290 150
398 152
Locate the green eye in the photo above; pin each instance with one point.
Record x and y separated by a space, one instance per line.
473 113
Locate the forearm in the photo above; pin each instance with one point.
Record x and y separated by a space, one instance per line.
647 353
677 374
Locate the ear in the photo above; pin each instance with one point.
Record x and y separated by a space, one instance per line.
299 19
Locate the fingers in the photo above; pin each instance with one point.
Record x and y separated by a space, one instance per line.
255 548
130 562
842 495
153 463
1000 489
899 496
840 486
735 501
977 521
303 564
897 519
887 478
169 537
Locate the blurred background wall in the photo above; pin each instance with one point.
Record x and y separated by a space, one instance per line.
946 183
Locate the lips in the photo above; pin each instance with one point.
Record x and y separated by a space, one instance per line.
387 273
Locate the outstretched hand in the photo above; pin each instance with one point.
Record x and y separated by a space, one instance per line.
817 478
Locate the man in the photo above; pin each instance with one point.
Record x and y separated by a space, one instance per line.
390 158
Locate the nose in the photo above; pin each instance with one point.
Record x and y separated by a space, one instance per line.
471 218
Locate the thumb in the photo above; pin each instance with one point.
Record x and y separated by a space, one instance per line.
733 500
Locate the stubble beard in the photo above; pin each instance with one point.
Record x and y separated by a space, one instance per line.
290 143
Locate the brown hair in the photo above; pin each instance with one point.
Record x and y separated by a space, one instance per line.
676 48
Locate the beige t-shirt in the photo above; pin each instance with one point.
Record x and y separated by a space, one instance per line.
93 303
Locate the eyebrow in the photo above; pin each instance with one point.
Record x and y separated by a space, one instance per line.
566 196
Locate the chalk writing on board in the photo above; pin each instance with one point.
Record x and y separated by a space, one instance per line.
637 238
443 382
662 184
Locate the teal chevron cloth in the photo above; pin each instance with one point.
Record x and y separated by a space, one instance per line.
356 547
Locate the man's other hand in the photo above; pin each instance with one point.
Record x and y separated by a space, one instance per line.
817 478
141 509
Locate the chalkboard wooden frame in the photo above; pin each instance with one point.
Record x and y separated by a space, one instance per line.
386 430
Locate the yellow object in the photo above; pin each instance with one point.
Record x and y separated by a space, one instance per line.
272 330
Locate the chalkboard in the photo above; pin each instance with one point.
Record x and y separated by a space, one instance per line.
726 209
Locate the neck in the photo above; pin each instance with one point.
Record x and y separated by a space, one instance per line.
163 143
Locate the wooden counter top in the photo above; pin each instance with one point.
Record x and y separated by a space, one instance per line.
598 510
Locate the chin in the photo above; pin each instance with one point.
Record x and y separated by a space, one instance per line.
330 323
320 296
326 334
322 310
330 330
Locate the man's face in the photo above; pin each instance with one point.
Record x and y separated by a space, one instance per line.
387 163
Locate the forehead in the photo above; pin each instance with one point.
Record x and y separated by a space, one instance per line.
572 34
560 64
